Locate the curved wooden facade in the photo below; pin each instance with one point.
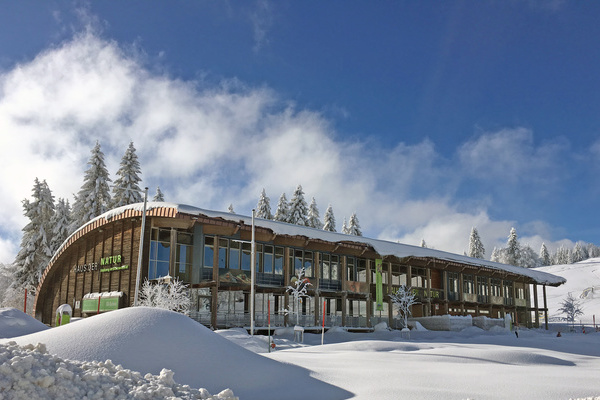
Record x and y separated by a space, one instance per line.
95 271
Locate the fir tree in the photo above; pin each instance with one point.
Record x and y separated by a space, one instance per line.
495 257
93 198
329 220
35 251
159 195
230 209
528 258
282 211
60 224
314 220
512 248
263 208
476 249
126 189
578 253
544 255
423 244
298 213
354 226
345 229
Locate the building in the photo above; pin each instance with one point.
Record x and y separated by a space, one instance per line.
95 271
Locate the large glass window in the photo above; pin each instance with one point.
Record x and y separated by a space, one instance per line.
335 268
468 284
234 254
495 286
209 251
268 260
351 267
160 253
183 258
325 266
223 246
508 289
361 270
278 262
418 277
246 256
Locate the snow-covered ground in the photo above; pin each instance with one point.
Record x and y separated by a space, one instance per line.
583 282
471 364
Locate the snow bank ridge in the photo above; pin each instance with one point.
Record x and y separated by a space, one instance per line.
28 372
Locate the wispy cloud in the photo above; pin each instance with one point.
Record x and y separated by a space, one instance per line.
262 21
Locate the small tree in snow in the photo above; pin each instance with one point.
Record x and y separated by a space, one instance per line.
159 196
126 189
298 289
513 250
282 211
329 220
476 249
354 226
404 298
423 244
230 209
298 213
571 307
166 294
263 208
345 228
544 255
314 220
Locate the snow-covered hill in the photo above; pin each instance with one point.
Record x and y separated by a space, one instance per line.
583 282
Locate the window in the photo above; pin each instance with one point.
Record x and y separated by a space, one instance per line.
452 282
325 266
278 262
361 270
508 290
160 253
335 268
418 277
267 260
351 267
495 286
209 251
468 284
183 256
234 254
246 255
223 244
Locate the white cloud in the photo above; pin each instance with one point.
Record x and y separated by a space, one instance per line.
511 156
214 146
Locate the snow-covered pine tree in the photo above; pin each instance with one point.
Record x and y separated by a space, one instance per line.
528 258
35 251
495 257
578 253
354 226
329 220
423 244
283 210
544 255
230 209
298 213
126 189
345 229
159 195
263 208
314 220
571 307
476 249
60 224
93 198
512 248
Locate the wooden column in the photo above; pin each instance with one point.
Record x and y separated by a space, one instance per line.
344 291
536 307
545 308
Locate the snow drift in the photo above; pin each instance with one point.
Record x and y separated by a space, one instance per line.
148 340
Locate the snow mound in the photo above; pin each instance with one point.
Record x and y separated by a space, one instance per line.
30 373
147 340
382 326
16 323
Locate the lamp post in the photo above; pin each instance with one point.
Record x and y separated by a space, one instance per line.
140 253
252 276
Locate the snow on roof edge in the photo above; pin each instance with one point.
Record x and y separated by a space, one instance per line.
382 247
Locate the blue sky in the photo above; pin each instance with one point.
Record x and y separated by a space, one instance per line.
426 118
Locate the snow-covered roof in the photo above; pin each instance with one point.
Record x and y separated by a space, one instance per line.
382 247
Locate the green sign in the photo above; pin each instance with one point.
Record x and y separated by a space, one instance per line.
378 285
106 304
114 268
